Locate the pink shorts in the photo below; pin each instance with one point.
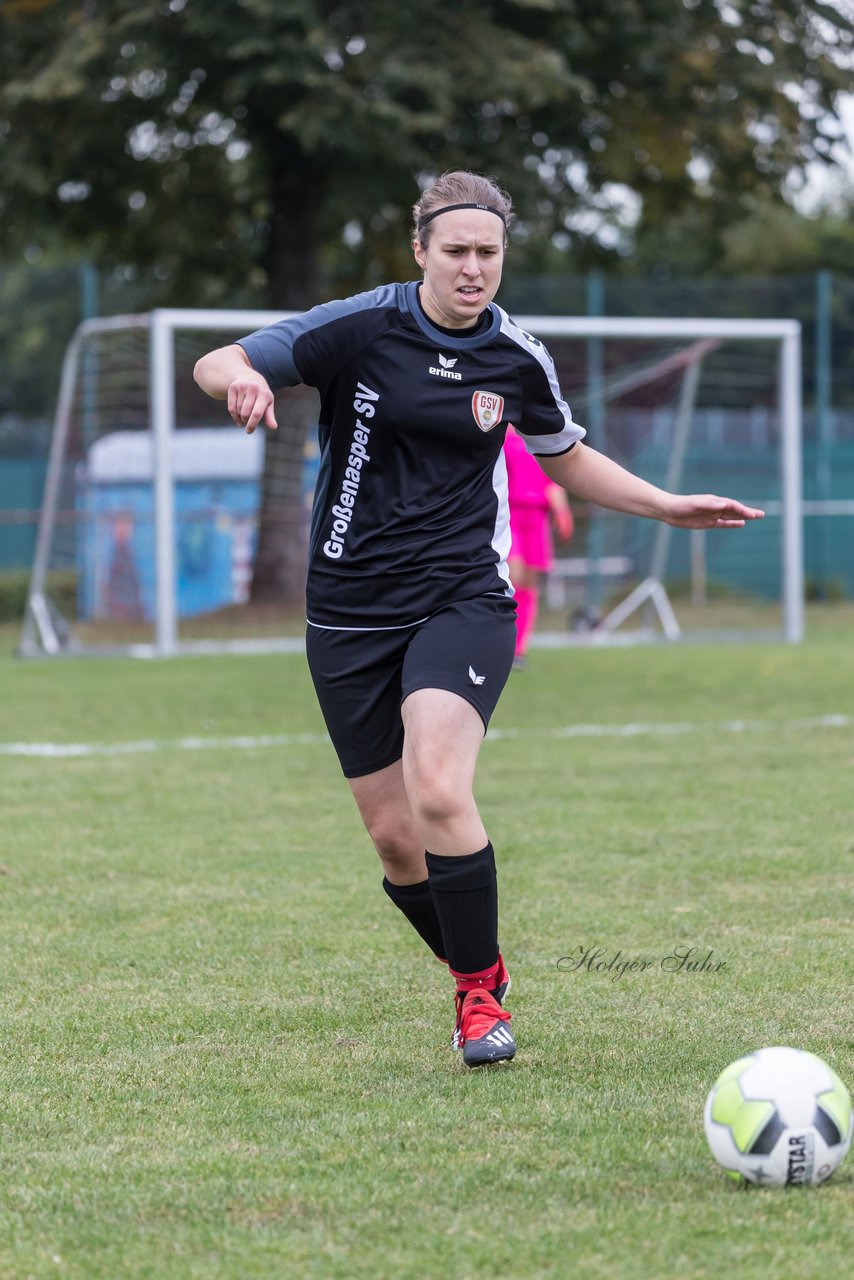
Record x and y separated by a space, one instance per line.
531 538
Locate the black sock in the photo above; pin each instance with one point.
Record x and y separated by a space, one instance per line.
416 903
465 891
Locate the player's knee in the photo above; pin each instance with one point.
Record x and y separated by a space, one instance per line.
439 798
394 840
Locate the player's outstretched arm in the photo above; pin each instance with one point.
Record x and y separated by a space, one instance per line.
226 374
591 476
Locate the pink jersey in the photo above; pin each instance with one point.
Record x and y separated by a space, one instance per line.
527 484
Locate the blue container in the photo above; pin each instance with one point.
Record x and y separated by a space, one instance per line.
217 478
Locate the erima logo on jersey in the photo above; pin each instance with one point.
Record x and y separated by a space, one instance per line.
446 369
474 677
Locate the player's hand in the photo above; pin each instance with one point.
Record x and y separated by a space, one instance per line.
707 511
564 525
250 401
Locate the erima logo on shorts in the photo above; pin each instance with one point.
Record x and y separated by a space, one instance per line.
446 369
342 512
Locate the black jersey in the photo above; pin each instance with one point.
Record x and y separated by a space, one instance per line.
410 510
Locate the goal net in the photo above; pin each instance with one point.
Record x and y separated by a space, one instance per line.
164 529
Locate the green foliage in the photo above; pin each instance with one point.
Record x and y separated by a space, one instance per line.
225 147
833 589
267 152
39 310
61 587
13 595
776 239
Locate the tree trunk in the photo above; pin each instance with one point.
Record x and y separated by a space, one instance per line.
293 274
280 561
297 194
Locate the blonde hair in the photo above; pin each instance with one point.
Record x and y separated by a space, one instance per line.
455 188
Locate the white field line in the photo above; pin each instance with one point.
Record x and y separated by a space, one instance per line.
78 750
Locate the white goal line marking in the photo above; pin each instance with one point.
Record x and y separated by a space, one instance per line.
78 750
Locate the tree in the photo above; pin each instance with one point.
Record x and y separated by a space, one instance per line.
269 150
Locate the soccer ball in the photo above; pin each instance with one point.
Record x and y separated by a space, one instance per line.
779 1118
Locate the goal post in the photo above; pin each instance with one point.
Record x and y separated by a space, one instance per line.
164 324
44 629
126 491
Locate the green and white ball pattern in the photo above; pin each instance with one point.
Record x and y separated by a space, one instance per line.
779 1117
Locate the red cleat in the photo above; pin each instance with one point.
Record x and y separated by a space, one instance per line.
499 991
484 1030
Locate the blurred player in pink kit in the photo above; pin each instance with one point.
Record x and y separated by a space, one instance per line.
535 501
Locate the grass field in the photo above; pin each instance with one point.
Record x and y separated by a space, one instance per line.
224 1056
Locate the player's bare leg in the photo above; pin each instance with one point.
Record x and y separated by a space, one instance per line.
385 810
526 582
442 738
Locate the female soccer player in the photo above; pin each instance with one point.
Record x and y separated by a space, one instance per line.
411 627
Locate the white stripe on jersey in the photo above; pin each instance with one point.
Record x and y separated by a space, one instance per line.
572 432
501 533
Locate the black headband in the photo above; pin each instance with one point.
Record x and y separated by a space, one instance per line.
428 217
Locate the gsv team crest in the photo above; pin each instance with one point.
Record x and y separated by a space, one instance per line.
487 408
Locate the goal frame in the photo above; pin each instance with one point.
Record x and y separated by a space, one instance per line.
42 631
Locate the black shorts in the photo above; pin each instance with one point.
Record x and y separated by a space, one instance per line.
362 677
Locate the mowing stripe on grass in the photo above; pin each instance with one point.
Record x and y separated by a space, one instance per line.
76 750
